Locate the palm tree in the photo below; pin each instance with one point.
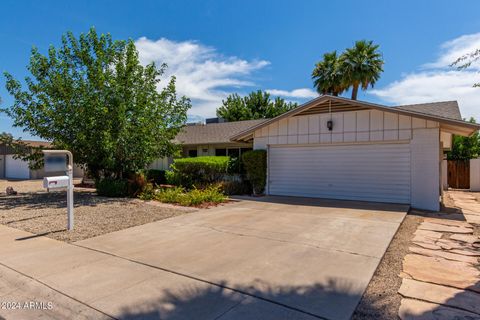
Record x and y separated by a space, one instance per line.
327 77
361 66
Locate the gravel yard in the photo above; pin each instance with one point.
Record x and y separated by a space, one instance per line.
45 213
381 299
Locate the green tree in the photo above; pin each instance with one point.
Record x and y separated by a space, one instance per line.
327 76
93 97
361 66
256 105
357 67
464 148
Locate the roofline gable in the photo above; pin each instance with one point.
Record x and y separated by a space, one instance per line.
324 98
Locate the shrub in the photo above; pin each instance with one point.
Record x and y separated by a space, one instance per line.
148 192
235 187
199 171
170 195
197 196
110 187
136 184
156 176
255 163
193 197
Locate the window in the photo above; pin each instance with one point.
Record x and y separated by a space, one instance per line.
234 153
220 152
192 153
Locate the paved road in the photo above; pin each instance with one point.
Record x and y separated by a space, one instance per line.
275 258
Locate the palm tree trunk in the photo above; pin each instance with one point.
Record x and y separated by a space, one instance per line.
355 91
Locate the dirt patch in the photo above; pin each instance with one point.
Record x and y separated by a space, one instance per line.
381 299
45 214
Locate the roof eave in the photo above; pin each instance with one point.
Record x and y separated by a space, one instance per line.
472 127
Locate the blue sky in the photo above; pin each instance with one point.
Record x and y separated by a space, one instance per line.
219 47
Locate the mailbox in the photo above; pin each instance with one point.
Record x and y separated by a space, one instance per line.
55 182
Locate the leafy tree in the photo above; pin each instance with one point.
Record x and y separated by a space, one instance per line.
327 76
257 105
357 67
93 97
464 148
361 66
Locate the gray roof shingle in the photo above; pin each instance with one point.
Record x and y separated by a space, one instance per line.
213 132
444 109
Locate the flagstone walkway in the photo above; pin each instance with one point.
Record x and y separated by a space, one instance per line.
441 274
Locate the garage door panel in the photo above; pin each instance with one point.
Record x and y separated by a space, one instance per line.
16 168
374 172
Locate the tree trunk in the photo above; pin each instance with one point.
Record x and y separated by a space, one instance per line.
355 91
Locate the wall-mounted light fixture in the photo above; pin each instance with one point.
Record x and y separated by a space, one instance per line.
330 125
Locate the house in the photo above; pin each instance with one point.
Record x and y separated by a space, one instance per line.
210 139
332 147
12 168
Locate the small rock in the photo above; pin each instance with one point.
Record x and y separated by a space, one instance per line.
10 191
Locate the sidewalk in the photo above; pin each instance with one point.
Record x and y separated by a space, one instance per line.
90 284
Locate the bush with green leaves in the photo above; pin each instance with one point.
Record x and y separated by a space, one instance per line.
235 187
109 187
92 96
199 171
255 163
194 197
156 176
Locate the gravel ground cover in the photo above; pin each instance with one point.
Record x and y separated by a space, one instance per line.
381 299
45 213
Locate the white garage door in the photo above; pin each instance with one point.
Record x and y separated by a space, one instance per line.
16 168
370 172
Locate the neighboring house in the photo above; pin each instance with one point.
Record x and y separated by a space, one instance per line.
333 147
211 139
12 168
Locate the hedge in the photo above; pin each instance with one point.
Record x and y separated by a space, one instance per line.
199 171
255 163
109 187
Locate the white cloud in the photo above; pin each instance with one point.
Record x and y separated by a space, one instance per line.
456 48
203 75
303 93
437 81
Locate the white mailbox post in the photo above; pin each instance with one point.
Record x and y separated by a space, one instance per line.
55 161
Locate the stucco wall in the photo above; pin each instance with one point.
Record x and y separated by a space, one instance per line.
425 151
475 174
369 126
161 164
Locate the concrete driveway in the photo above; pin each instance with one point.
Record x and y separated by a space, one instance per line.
310 257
